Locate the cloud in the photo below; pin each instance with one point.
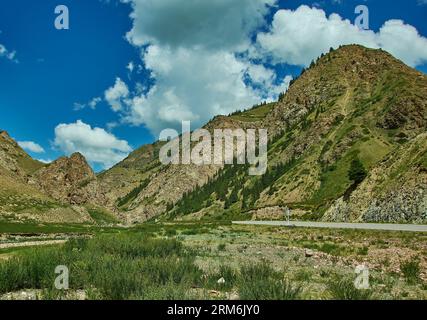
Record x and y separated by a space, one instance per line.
296 37
31 146
91 104
404 42
214 24
94 102
96 144
180 94
45 161
130 66
209 63
201 69
116 94
10 55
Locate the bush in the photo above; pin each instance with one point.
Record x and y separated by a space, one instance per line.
411 271
357 172
171 233
221 247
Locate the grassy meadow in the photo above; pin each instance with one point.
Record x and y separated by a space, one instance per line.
215 261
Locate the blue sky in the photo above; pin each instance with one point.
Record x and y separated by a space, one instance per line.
170 61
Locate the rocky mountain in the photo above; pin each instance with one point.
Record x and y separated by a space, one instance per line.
65 191
353 105
152 187
15 160
347 142
70 180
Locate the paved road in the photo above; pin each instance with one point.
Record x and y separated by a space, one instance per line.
325 225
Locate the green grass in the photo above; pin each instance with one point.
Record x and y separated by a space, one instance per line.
363 251
328 247
230 276
344 289
255 114
101 216
261 282
135 266
334 181
423 161
29 165
125 266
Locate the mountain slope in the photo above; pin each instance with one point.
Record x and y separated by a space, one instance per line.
353 104
64 191
347 142
14 159
21 198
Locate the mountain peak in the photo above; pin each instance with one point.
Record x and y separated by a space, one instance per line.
4 134
77 156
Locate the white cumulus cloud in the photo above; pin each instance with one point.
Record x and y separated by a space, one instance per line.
204 61
298 36
214 24
116 94
182 93
31 146
197 54
45 161
96 144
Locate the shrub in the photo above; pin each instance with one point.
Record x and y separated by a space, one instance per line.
221 247
411 271
363 251
171 233
357 172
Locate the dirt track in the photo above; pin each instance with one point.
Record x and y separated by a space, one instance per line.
30 244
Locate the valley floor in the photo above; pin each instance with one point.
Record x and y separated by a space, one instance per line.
216 261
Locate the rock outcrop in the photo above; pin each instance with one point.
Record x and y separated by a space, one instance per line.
71 180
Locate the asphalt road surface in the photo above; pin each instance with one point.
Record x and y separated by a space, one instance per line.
326 225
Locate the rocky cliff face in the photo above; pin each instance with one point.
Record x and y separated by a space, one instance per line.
32 191
165 185
394 191
70 180
355 103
